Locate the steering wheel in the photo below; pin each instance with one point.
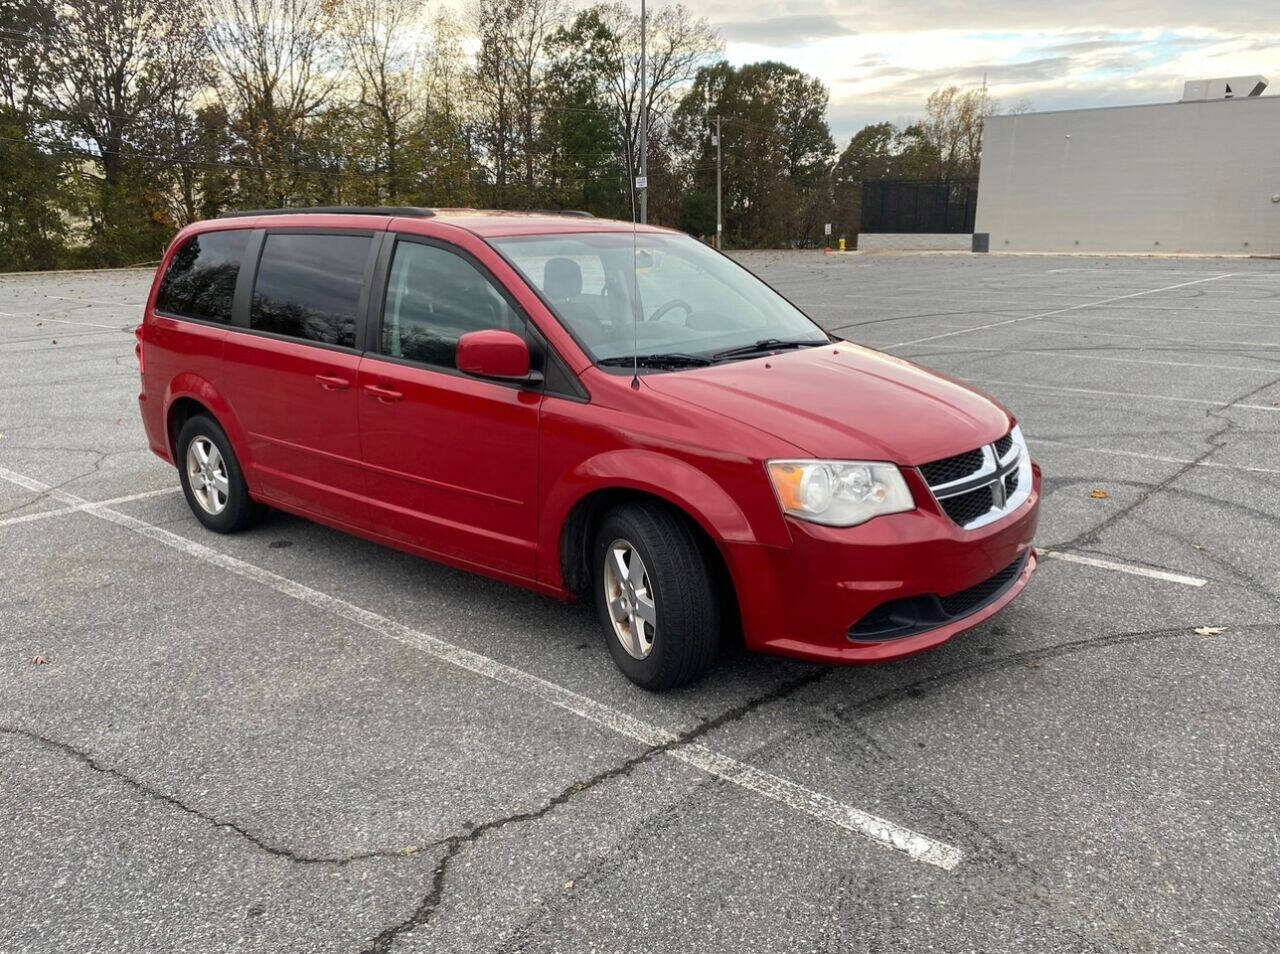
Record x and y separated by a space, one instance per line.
666 307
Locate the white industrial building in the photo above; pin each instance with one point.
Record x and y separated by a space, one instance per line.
1201 175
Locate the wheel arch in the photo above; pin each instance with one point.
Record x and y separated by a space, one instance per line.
582 497
579 531
190 394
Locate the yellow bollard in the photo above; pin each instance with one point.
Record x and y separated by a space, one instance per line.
842 245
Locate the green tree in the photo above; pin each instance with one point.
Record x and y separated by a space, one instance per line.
112 64
32 229
776 154
915 154
599 50
869 155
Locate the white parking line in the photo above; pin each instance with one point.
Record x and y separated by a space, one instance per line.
962 351
1203 402
1130 568
91 301
1058 311
916 846
1111 270
87 505
1153 341
1166 460
64 321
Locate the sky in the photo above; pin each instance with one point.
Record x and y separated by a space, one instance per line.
881 58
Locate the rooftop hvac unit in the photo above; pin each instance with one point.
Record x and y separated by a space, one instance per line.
1230 87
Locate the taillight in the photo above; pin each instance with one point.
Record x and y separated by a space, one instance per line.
137 349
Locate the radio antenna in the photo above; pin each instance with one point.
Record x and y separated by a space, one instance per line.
635 276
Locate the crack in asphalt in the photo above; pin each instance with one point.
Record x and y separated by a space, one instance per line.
456 844
1214 441
922 687
984 847
222 824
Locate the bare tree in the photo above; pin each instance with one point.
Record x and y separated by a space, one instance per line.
175 131
114 61
494 96
531 27
953 125
279 64
384 45
605 41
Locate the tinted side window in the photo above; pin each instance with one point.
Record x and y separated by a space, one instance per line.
308 286
434 297
201 281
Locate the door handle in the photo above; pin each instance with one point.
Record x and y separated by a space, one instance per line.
385 395
331 383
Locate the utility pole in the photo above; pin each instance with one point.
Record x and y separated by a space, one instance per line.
643 184
719 220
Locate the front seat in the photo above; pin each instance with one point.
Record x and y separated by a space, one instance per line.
562 284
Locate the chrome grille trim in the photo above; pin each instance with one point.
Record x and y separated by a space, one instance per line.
994 475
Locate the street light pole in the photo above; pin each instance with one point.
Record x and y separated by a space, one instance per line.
719 220
644 122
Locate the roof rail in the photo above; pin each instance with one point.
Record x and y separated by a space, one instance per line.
400 210
576 213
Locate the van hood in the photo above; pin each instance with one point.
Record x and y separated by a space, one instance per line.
844 401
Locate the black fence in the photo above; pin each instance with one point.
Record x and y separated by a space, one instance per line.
919 205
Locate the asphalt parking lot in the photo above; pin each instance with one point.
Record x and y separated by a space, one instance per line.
293 740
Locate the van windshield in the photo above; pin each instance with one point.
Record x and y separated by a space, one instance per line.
687 304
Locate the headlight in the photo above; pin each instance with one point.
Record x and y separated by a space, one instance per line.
839 493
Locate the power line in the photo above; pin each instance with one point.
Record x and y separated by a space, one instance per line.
70 148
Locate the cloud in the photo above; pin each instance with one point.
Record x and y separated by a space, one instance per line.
883 16
783 31
1028 71
881 59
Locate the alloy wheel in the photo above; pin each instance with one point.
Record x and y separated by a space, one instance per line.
207 475
629 596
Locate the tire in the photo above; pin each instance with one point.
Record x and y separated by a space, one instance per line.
224 506
676 590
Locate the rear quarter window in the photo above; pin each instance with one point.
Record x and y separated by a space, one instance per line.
308 286
201 280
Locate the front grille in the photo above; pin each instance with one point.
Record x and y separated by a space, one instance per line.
966 508
978 486
979 595
917 614
952 468
1010 483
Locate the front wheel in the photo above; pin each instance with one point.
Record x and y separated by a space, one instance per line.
655 595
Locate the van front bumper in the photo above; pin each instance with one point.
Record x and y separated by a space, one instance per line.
892 587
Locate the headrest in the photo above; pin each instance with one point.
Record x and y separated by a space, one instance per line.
561 279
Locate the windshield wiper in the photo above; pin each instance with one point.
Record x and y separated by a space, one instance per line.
764 346
669 359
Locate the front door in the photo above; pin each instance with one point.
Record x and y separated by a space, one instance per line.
451 461
292 375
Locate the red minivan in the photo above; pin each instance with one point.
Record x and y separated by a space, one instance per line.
590 410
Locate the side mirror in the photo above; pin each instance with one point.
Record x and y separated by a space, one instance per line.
494 354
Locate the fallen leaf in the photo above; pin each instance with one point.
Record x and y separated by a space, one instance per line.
1033 664
568 885
1099 494
1210 630
39 659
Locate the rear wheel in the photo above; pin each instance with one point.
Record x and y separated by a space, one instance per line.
655 596
211 478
